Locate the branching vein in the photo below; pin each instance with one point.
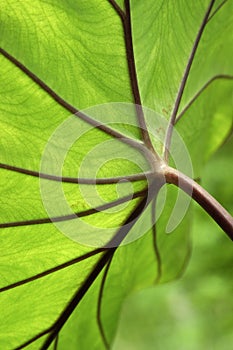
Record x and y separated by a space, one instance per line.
113 245
75 215
217 9
118 9
172 119
195 97
106 129
33 339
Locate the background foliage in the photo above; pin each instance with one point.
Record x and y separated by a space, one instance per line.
194 312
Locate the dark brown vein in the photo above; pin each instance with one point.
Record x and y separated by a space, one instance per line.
118 9
52 270
127 26
172 119
100 297
33 339
155 244
106 129
76 299
113 244
216 77
217 9
55 347
74 180
75 215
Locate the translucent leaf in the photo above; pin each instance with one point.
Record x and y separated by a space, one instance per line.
80 229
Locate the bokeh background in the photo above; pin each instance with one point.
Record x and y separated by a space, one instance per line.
196 311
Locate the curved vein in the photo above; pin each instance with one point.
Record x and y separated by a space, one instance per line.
203 198
80 293
118 9
52 270
74 180
106 129
172 119
155 243
216 77
75 215
100 296
112 245
127 26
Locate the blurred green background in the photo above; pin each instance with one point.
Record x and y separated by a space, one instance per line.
195 312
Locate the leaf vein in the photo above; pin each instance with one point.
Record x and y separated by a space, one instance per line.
52 270
106 129
75 215
205 86
83 181
172 119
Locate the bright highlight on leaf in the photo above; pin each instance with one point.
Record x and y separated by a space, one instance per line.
105 106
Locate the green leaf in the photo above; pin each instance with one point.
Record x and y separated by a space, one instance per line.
163 42
207 122
63 276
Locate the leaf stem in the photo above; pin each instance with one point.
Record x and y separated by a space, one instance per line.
172 120
203 198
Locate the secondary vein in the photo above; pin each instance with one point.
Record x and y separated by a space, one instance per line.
105 128
172 119
118 9
127 26
205 86
52 270
217 9
155 242
75 215
83 181
99 304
